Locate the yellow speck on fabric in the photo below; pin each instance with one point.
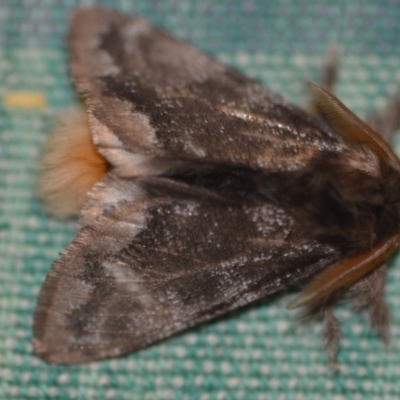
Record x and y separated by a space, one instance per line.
25 100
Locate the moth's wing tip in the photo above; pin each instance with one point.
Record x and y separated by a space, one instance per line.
39 348
57 355
43 351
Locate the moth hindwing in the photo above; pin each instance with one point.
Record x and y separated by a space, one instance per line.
214 192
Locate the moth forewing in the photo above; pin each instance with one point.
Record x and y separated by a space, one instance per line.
240 194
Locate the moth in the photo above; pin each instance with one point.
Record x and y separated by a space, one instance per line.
200 191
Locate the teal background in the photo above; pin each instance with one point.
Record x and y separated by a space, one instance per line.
263 351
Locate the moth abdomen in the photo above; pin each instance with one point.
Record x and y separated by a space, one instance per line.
70 166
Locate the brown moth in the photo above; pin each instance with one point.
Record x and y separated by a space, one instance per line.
203 191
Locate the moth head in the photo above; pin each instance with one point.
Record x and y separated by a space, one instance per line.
369 164
368 172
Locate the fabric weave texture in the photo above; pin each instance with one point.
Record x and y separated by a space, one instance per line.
262 351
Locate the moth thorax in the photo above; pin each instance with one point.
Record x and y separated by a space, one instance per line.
70 166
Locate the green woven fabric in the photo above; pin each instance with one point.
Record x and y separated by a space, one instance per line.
263 351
